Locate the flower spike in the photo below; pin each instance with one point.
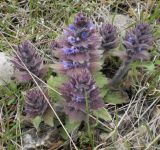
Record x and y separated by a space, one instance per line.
75 92
35 102
79 45
26 56
109 37
138 41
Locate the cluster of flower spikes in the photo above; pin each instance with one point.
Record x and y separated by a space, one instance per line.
138 41
78 47
27 59
79 57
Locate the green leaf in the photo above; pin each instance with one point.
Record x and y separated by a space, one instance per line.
102 113
13 86
71 19
70 127
157 62
101 80
115 97
135 64
11 102
36 122
55 83
48 117
158 78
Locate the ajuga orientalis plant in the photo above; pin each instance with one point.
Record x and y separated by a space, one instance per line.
78 47
137 42
35 102
27 59
109 37
75 92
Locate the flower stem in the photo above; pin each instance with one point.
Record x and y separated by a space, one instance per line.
88 125
121 72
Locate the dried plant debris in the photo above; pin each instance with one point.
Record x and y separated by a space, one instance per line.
43 139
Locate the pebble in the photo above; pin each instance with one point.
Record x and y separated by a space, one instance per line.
6 69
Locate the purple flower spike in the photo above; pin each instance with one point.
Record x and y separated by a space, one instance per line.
27 57
109 37
138 41
75 92
35 103
79 44
80 20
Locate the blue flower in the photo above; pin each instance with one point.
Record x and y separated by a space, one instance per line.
72 27
141 48
67 64
79 98
131 39
84 35
71 39
70 64
72 50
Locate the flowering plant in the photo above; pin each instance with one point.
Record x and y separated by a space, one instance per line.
27 59
78 47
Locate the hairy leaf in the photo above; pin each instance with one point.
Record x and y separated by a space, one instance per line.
36 122
115 97
101 81
70 127
48 117
55 82
102 113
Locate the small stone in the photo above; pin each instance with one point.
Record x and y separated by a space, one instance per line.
6 69
120 21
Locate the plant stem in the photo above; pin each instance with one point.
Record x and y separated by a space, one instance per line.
88 125
121 72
